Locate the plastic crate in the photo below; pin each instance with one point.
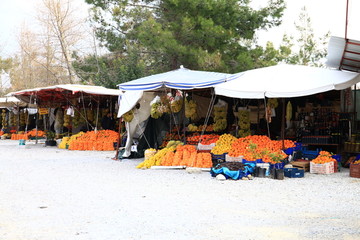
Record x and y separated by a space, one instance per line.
205 147
355 170
298 146
233 159
294 173
289 151
256 161
310 154
280 165
325 168
218 156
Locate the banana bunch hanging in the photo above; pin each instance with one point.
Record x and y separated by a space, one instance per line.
190 109
3 119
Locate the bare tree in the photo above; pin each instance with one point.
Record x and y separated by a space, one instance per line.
63 31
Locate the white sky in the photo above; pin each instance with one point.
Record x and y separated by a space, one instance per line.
326 15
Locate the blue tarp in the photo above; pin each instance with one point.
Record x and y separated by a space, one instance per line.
249 168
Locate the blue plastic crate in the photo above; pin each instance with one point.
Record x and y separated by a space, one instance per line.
256 161
294 172
277 165
289 151
218 156
298 146
337 157
309 154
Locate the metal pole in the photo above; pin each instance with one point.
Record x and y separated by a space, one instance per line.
266 119
346 20
283 123
355 110
118 142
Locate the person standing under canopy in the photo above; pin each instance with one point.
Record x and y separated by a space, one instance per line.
108 122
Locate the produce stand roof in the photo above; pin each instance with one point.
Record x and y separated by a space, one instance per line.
62 94
284 81
343 54
181 78
6 102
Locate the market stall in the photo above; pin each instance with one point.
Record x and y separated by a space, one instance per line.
70 109
282 81
322 124
12 114
170 92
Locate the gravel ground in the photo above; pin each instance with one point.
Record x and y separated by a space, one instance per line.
48 193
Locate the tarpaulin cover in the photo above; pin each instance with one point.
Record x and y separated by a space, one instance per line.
285 81
343 54
6 102
62 93
181 78
128 100
234 174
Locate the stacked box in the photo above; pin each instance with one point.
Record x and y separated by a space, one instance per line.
325 168
355 170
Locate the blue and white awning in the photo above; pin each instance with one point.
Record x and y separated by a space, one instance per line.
182 78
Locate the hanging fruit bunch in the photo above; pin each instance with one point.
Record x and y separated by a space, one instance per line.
23 118
159 106
3 119
176 102
220 114
128 116
90 115
12 119
244 123
273 103
190 109
67 121
76 119
192 127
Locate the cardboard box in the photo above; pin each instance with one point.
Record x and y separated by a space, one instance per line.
325 168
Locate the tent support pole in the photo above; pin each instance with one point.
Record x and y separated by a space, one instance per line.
116 158
184 116
258 117
36 126
267 122
355 113
283 123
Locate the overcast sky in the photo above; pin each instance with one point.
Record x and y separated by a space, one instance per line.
326 15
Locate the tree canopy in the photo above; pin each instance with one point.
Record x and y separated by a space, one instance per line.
199 34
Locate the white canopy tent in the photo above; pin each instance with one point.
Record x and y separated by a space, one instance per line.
8 102
285 81
182 78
